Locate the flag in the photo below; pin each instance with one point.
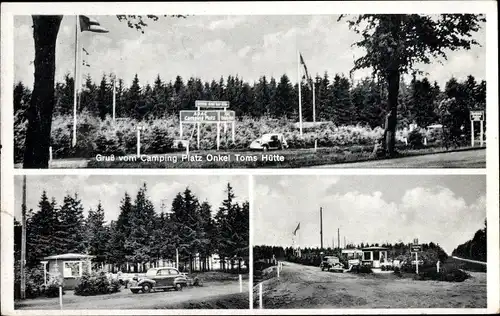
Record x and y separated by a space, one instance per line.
91 25
309 81
296 229
85 51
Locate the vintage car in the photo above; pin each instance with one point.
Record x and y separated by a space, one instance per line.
162 279
331 263
269 141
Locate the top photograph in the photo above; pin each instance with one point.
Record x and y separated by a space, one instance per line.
249 91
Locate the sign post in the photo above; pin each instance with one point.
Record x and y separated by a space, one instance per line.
476 116
416 248
206 117
138 140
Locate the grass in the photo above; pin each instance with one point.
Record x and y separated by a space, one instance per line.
292 158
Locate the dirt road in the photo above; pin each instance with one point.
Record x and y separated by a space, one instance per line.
458 159
308 287
211 295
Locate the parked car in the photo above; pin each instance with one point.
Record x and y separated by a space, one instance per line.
269 141
331 263
162 279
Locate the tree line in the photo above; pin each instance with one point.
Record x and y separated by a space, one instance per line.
337 99
475 248
140 234
431 252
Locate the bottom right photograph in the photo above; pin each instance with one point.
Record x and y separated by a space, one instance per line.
369 241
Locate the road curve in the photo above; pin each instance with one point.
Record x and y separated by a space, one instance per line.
303 287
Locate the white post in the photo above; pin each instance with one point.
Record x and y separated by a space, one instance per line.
218 135
225 125
278 269
180 130
198 132
425 141
44 273
187 148
482 133
299 81
50 153
260 295
114 98
138 140
75 82
416 260
314 116
437 266
233 131
241 283
472 133
177 258
60 297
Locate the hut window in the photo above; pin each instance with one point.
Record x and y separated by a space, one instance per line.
376 255
367 255
72 269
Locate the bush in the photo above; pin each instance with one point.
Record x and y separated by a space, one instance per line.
416 139
448 275
361 269
96 283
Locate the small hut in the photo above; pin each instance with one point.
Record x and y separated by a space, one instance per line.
68 267
374 256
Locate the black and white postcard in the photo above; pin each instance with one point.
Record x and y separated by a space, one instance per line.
249 157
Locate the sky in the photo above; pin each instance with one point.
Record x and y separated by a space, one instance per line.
110 190
447 210
209 47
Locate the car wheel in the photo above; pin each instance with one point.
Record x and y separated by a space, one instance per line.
178 287
265 148
146 288
135 291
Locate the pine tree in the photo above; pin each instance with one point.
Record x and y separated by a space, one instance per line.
97 234
71 225
103 99
40 232
142 219
119 232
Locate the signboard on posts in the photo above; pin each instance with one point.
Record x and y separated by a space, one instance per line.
212 116
199 116
477 116
211 104
416 248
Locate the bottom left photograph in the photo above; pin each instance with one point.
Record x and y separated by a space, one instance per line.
131 242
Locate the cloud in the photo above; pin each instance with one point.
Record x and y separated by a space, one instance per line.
226 23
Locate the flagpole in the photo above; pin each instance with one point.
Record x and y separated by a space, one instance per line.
114 96
314 115
75 80
299 81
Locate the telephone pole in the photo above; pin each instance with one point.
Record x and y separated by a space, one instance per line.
23 242
321 225
338 236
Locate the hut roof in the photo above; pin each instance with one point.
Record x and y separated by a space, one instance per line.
68 256
375 248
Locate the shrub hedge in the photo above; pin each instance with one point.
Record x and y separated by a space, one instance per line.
96 136
96 283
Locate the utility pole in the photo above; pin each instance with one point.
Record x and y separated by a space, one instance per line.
338 236
345 244
321 225
23 242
